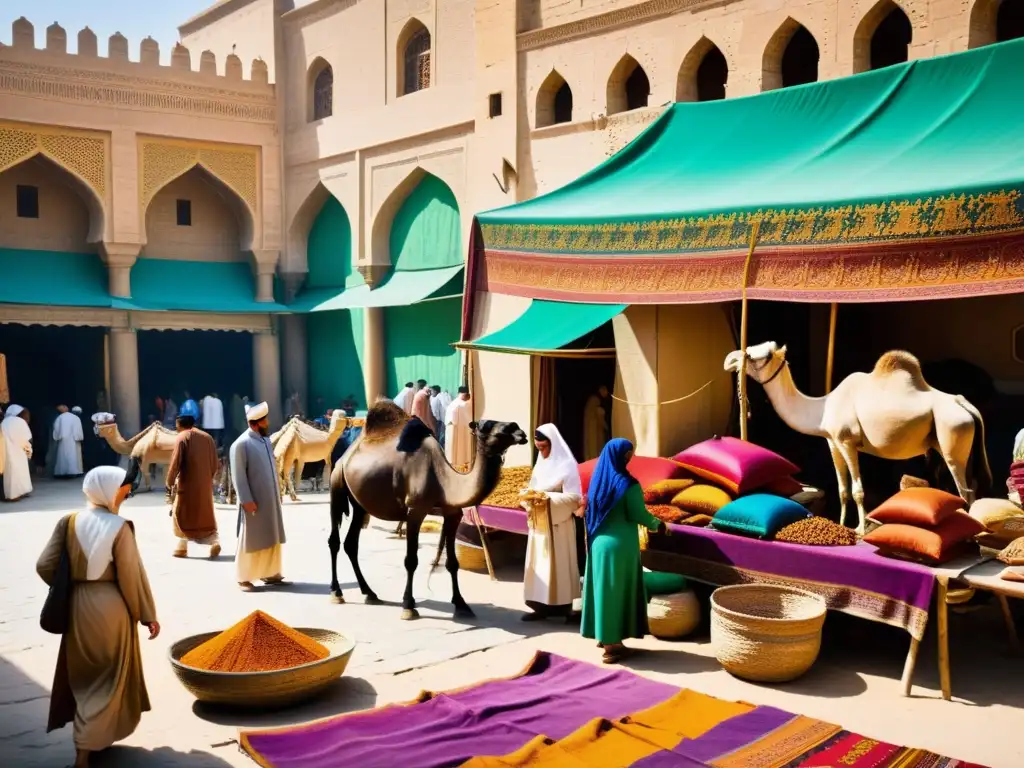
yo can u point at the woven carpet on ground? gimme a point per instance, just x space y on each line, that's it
565 713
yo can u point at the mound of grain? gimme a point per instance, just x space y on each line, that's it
817 531
510 482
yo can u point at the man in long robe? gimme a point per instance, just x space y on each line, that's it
193 467
404 398
595 424
67 438
458 440
437 411
17 450
421 407
213 418
260 522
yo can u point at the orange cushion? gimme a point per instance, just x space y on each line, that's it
663 491
648 470
918 506
783 486
701 499
698 521
933 543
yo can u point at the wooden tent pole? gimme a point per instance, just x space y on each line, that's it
755 229
834 314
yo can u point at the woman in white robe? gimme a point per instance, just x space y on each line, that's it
17 437
67 436
552 578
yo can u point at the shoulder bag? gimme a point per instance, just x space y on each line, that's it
56 614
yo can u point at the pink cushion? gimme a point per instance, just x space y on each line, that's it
736 465
647 470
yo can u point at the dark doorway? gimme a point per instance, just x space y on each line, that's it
891 40
563 104
638 88
712 75
1010 20
197 362
800 59
49 366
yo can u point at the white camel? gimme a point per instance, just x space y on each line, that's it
891 413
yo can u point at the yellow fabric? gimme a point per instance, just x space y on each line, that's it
701 499
663 491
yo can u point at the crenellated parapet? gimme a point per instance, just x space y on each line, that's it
193 82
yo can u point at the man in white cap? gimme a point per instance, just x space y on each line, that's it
67 441
260 522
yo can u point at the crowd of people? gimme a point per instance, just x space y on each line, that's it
447 418
64 454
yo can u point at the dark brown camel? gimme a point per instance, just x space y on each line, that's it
397 472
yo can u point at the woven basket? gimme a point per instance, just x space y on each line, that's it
764 633
673 616
470 558
261 690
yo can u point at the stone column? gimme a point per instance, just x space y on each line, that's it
119 258
294 350
264 266
266 363
374 368
124 380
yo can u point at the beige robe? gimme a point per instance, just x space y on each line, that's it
98 682
552 575
595 428
458 438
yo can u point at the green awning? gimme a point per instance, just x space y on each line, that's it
403 287
849 180
549 328
53 278
194 286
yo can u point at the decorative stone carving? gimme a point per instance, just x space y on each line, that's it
56 39
83 154
208 63
181 58
259 73
76 316
23 34
237 167
88 45
117 47
149 52
233 67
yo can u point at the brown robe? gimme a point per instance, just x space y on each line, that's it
98 682
421 409
194 464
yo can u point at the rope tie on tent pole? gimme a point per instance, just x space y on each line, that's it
741 375
666 402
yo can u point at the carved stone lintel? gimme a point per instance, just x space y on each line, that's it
373 273
265 260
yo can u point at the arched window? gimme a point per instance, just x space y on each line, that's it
554 101
323 93
882 38
638 89
628 86
415 60
995 21
791 57
703 73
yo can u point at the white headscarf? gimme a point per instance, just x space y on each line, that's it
559 467
97 527
12 411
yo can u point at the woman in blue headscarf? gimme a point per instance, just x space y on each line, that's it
614 603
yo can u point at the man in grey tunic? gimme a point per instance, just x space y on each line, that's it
260 521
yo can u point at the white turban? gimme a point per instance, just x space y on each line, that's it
77 409
256 412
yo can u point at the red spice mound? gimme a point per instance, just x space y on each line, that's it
667 513
258 643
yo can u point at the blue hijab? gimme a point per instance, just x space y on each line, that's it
608 484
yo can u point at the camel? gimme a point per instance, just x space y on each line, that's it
396 471
891 413
153 445
299 443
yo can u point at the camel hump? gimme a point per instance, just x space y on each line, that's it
413 435
898 360
384 420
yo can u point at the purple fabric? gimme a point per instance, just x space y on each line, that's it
859 566
512 520
555 697
734 733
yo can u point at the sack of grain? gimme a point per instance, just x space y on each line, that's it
817 531
510 482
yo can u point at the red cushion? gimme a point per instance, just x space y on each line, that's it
932 544
918 506
783 486
648 470
736 465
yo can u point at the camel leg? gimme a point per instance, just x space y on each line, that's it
412 543
856 485
359 515
334 543
451 564
842 476
297 474
954 446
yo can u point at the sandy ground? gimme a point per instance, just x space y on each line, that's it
855 682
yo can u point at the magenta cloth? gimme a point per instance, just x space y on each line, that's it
741 464
512 520
855 580
554 697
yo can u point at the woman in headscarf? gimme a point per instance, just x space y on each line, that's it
614 602
15 453
98 683
552 578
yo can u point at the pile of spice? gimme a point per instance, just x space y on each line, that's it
667 513
258 643
510 482
817 531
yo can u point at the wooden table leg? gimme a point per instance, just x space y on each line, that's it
1011 628
943 632
483 544
908 667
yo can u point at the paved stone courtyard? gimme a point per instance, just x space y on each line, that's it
855 682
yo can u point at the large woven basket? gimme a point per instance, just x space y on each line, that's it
263 689
470 558
673 616
765 633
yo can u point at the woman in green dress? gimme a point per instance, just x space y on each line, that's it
614 602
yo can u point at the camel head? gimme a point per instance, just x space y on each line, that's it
495 437
339 421
760 359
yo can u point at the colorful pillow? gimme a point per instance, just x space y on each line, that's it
994 514
663 491
647 470
783 486
737 465
931 544
760 514
701 499
918 506
698 521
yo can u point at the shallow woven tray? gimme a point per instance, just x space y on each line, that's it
263 689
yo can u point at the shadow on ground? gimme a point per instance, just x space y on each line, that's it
161 757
